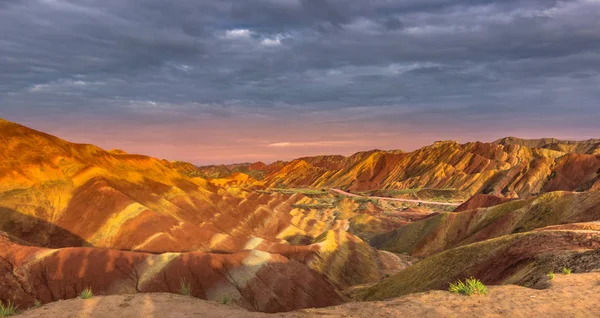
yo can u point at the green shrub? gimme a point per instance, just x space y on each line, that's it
469 287
86 294
458 287
7 310
566 270
185 288
550 275
225 300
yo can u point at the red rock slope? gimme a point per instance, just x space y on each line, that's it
255 280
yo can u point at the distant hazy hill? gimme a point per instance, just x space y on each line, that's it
590 146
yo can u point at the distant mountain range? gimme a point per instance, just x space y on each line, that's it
509 167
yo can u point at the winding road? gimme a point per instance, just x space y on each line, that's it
394 199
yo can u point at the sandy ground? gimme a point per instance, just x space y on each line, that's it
575 295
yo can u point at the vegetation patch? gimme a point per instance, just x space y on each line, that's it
225 300
550 275
7 310
364 201
471 286
566 270
86 294
185 288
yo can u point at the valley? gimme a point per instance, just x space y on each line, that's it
309 233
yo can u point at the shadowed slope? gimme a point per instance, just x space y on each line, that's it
91 192
36 231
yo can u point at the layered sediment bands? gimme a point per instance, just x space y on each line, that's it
509 167
523 258
78 196
345 259
50 189
77 216
574 172
448 230
255 280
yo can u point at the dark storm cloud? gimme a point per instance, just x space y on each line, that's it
242 58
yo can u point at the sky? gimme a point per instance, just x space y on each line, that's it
246 80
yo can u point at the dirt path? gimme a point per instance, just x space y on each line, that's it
576 295
394 199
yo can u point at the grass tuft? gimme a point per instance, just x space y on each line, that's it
7 310
225 300
86 294
566 270
469 287
550 275
185 288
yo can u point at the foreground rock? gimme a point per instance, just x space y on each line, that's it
574 295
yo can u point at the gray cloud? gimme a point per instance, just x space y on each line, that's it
408 59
